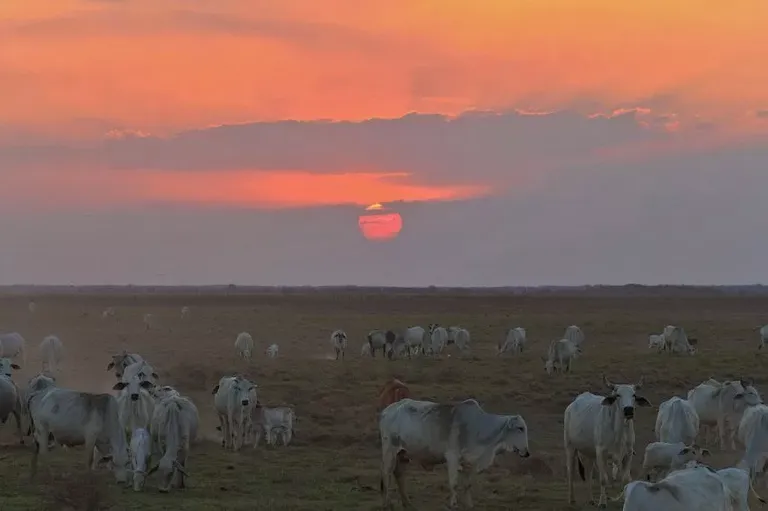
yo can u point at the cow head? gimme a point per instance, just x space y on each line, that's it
747 395
6 367
694 452
624 395
134 386
243 392
515 436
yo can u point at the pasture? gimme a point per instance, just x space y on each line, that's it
333 461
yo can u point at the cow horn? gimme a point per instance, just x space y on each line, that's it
180 468
639 384
607 383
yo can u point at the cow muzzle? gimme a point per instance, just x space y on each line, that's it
134 397
629 412
244 402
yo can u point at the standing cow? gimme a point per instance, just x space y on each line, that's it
677 421
721 406
339 342
514 341
233 398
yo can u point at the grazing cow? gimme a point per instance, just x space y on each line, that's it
656 341
514 341
462 435
397 348
560 355
677 421
721 405
574 334
414 339
393 391
185 312
174 425
233 398
763 337
753 434
13 345
32 307
148 321
365 350
10 396
601 428
271 422
244 345
339 342
272 351
51 352
121 361
438 337
378 340
90 419
676 341
689 489
662 457
140 453
109 312
135 403
460 337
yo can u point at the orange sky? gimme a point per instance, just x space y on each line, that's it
82 67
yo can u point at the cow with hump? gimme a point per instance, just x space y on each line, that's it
600 429
463 436
233 399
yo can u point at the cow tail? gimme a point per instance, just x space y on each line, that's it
581 468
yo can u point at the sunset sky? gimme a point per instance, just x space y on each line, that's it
523 142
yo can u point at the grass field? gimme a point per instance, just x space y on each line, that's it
333 463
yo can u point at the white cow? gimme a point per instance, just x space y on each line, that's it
185 312
573 333
676 341
763 337
272 350
121 361
753 434
738 482
560 355
460 338
90 419
721 405
677 421
414 339
438 339
244 345
271 422
656 341
51 352
142 369
141 449
689 489
378 340
339 342
365 350
13 345
174 426
662 457
148 321
109 312
396 348
10 396
233 398
462 435
135 403
601 429
515 341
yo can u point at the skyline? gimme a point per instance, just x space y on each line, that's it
183 142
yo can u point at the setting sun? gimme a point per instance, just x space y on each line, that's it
380 224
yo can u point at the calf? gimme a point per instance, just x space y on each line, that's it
339 342
560 355
272 421
663 457
514 341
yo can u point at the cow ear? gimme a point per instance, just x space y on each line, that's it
15 366
110 365
640 400
705 452
608 400
740 395
685 450
215 389
119 385
155 376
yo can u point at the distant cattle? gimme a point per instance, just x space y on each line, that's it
233 398
272 350
601 429
51 353
272 421
109 312
677 421
574 334
763 336
656 341
438 339
32 306
148 320
677 341
185 312
378 340
244 345
461 337
514 341
721 405
415 336
365 350
462 435
339 343
560 355
13 345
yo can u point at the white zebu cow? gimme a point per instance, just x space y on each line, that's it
721 405
677 421
233 398
13 345
414 339
90 419
339 342
460 336
656 341
148 319
174 426
135 403
141 449
560 355
272 350
660 458
109 312
763 337
378 340
601 429
10 396
462 435
51 353
272 421
689 489
121 361
185 312
753 434
738 482
438 339
515 341
244 345
676 341
574 334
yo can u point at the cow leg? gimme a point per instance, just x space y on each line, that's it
467 491
257 436
733 436
17 416
40 436
400 480
388 464
721 430
570 466
589 474
91 459
454 467
602 472
287 436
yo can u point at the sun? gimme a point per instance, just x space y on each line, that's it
378 223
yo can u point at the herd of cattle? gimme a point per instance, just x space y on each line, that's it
144 420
